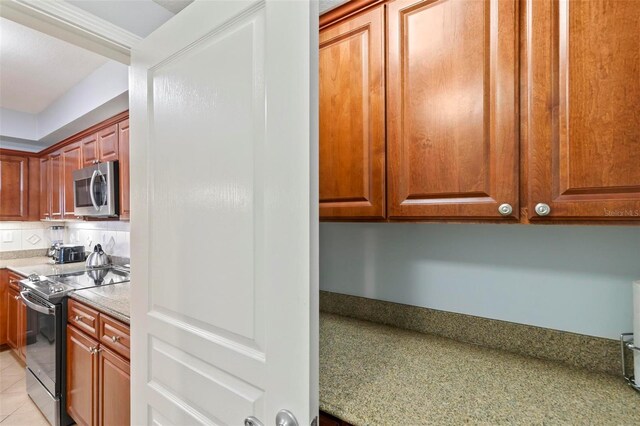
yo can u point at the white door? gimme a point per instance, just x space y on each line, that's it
224 218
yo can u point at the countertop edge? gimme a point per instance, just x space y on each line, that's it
100 307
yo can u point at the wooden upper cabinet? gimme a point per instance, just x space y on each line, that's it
452 109
71 160
45 188
583 121
123 153
55 160
14 187
352 118
108 144
89 150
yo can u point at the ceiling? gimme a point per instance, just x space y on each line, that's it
36 69
140 17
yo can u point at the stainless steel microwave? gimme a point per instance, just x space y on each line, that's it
95 190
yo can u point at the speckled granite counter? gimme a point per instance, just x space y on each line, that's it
39 265
372 374
110 299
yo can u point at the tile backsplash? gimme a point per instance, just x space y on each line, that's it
24 236
112 235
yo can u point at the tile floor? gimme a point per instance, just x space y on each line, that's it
16 408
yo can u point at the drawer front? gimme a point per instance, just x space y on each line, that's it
115 335
14 280
83 317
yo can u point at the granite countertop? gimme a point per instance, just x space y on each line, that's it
110 299
372 374
39 265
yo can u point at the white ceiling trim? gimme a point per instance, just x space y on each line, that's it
70 23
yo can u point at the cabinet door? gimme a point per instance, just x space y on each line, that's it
22 329
123 154
114 394
14 187
451 118
583 121
352 123
71 160
12 318
4 289
89 150
82 377
56 185
45 188
108 144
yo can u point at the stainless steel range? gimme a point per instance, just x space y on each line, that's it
46 333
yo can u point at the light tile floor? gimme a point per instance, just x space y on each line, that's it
16 408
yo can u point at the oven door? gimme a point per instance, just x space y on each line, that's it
95 190
44 331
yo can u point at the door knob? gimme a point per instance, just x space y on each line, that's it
542 209
505 209
286 418
252 421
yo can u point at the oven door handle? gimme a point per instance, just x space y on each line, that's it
38 308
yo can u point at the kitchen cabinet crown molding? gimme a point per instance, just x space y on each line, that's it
346 10
93 129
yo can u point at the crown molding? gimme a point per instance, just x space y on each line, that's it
70 23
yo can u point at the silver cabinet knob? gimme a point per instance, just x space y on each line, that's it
252 421
505 209
115 339
543 209
286 418
77 318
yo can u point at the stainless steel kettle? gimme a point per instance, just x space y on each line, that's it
98 258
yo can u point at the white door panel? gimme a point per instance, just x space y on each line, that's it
224 227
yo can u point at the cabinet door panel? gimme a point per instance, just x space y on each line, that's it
89 150
352 125
45 188
71 160
82 377
14 187
114 394
108 144
584 108
22 330
12 318
123 155
452 145
56 185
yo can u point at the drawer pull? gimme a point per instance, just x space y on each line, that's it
77 318
115 339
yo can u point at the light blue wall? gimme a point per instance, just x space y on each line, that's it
572 278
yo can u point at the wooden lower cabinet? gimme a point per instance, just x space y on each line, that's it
15 317
329 420
113 389
82 377
12 304
98 379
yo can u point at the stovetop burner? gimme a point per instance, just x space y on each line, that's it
57 286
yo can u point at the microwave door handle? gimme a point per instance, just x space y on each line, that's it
93 198
35 306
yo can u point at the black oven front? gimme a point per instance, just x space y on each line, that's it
45 340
